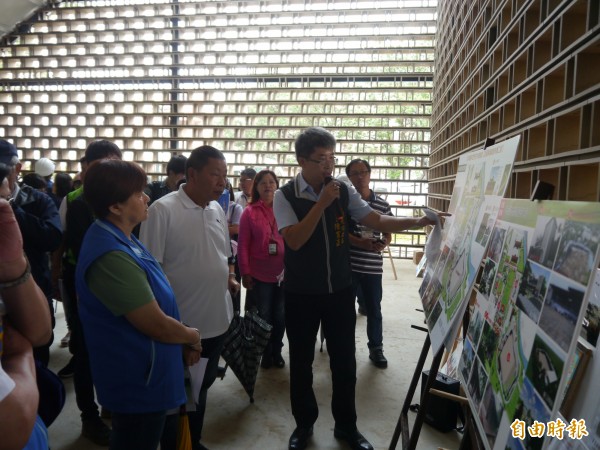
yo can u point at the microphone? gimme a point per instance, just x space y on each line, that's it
328 180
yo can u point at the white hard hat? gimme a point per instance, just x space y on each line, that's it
44 167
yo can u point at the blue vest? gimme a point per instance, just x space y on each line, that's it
132 373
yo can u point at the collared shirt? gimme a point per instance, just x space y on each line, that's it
365 261
286 216
241 199
192 245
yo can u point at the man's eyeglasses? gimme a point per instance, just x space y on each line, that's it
358 173
332 161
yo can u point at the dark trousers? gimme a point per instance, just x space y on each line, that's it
303 315
368 288
82 374
268 298
136 431
211 349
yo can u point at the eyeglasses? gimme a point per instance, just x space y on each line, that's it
360 173
332 160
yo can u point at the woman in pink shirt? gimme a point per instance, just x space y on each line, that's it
260 257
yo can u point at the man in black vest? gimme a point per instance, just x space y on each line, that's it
313 213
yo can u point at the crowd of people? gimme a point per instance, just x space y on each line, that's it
149 277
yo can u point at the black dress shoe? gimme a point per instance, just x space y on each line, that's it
356 440
378 359
299 438
278 361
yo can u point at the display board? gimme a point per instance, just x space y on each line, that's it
532 297
480 184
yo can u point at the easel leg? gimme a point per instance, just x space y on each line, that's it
389 251
433 371
402 424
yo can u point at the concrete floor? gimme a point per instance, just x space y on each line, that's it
233 423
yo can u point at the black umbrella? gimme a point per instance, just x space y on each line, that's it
244 344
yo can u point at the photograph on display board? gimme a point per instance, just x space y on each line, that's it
477 381
490 413
533 289
591 321
531 408
561 309
475 326
576 371
545 240
545 369
576 251
466 360
495 247
447 284
527 314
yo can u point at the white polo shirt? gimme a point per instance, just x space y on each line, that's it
192 245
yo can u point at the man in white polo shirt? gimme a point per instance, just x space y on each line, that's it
187 233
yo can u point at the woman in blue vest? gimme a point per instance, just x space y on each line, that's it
128 311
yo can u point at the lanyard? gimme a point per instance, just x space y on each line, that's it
270 222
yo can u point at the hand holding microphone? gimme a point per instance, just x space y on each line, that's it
330 192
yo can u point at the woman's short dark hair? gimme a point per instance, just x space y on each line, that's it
111 181
63 184
311 139
259 176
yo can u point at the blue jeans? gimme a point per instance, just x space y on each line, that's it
139 431
268 298
372 292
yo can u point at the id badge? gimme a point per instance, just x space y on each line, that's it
272 248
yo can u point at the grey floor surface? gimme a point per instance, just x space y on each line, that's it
233 423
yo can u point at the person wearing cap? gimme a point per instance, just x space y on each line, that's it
44 167
246 181
39 223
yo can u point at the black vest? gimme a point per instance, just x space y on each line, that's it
322 264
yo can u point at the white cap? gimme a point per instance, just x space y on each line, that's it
44 167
